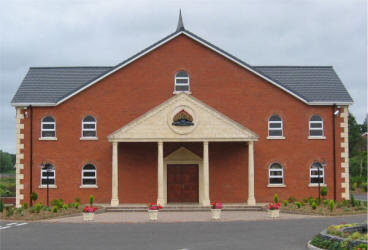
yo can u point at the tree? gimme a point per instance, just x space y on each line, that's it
7 161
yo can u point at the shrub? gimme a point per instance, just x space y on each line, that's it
361 246
338 204
19 211
57 203
276 198
365 203
77 200
323 192
38 207
55 209
1 205
65 207
354 186
34 196
45 208
355 236
291 199
314 205
345 203
352 200
76 205
331 205
9 211
298 204
25 205
364 186
91 199
285 203
358 203
325 203
311 200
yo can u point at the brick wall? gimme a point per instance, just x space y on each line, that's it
149 81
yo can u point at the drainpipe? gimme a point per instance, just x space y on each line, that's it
30 152
334 113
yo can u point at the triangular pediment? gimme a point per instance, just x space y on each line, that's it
182 154
208 124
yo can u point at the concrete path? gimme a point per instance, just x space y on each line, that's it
172 217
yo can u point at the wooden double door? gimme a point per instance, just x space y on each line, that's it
182 183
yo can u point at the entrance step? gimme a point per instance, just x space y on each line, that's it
185 208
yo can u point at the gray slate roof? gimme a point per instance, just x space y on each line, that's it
312 83
51 84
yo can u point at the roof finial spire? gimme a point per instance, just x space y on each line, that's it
180 22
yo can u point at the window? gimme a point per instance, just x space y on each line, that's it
276 174
89 126
89 175
314 173
48 127
315 126
275 126
181 81
48 170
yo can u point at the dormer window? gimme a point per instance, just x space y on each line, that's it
182 81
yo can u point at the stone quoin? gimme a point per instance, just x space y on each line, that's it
182 121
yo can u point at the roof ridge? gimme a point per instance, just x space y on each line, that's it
63 67
294 66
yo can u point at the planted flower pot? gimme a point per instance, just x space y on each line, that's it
88 216
153 215
216 214
274 213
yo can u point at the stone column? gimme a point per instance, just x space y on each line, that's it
206 176
160 174
115 179
251 199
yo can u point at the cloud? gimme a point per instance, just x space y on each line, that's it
74 33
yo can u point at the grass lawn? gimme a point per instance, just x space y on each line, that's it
7 186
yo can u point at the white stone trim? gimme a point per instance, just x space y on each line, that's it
47 139
316 137
45 186
275 138
88 186
316 185
19 148
276 185
345 154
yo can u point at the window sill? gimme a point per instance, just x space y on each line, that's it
88 186
89 138
45 186
276 138
316 137
178 92
276 185
316 185
47 139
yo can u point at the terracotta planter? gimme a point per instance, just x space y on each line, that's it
88 216
153 215
274 213
216 214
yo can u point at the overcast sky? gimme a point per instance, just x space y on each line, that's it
104 33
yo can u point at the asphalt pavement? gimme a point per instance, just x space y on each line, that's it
273 235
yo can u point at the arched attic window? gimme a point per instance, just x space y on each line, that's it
181 81
275 126
89 127
48 127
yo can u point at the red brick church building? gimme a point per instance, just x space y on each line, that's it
181 121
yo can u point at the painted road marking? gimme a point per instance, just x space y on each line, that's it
21 224
15 224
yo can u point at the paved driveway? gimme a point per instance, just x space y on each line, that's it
271 234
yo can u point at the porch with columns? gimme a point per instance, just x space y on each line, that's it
161 200
205 125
